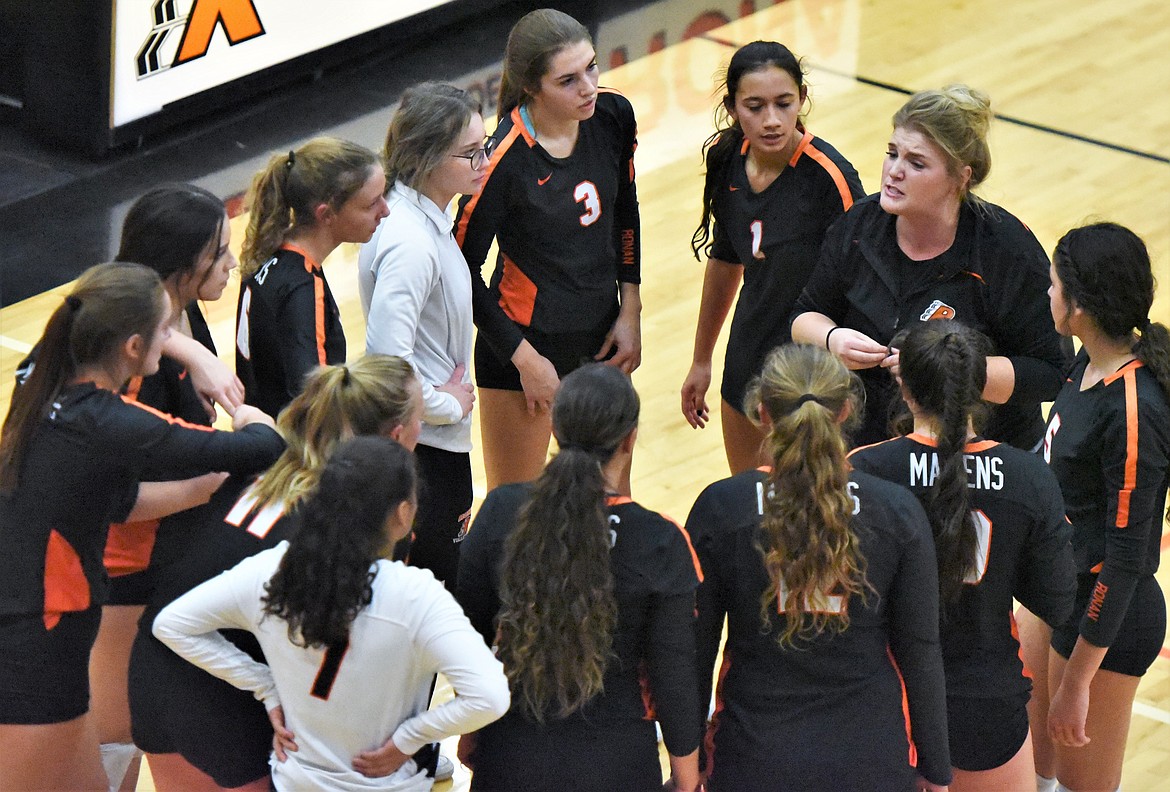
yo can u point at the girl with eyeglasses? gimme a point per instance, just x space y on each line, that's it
559 198
416 294
771 192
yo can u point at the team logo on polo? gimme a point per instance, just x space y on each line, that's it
937 310
176 38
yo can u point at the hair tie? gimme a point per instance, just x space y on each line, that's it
345 375
74 303
292 160
806 397
1144 325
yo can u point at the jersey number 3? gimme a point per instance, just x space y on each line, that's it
586 192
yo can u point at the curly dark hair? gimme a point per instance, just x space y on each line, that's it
943 365
558 611
326 576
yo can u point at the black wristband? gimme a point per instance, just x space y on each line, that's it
829 334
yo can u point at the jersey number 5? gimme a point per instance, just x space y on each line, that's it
586 192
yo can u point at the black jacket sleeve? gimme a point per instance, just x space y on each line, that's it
671 645
301 348
1022 325
829 283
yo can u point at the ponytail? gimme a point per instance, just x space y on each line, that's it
364 397
532 44
718 153
558 611
109 304
806 538
1105 269
943 366
286 193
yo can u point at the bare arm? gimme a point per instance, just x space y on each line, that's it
720 282
158 499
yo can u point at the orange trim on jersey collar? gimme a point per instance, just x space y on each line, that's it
497 156
1132 365
617 500
970 448
310 262
800 147
518 124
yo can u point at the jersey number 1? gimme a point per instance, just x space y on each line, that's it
757 228
586 192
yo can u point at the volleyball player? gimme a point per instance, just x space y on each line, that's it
199 732
70 455
560 200
303 206
927 248
350 639
999 533
771 192
416 295
1108 442
828 582
589 599
181 232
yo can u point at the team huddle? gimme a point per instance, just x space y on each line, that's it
269 607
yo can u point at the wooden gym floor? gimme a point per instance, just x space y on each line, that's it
1083 133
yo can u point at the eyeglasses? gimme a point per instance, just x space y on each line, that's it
479 158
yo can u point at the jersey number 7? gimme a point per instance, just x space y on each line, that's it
327 673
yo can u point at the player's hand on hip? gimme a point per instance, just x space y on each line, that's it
381 761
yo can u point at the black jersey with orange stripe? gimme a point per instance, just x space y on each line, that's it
837 711
170 388
1109 446
655 572
80 473
196 545
994 278
776 236
287 323
1024 553
568 228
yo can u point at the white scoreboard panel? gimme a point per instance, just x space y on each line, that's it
166 50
